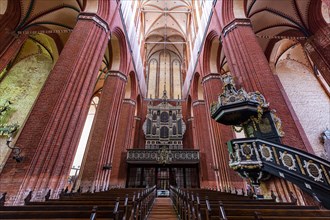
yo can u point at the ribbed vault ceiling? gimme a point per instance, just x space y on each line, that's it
165 23
50 14
282 17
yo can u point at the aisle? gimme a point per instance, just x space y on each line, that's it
162 209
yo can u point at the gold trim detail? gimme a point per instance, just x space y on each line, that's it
276 157
325 173
300 165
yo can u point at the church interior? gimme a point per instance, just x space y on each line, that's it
165 109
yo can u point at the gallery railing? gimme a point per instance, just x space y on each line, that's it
162 156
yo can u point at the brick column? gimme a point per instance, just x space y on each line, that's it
318 48
51 133
248 63
136 132
101 144
188 141
142 138
220 134
118 172
202 136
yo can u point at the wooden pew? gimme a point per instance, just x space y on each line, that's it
128 204
207 204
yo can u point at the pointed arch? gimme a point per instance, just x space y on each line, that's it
210 55
118 50
197 89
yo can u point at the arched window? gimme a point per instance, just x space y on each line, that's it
164 117
154 130
148 126
174 130
180 126
174 116
164 132
152 78
154 116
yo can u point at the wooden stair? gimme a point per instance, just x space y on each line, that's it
162 209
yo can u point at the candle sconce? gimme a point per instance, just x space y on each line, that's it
16 150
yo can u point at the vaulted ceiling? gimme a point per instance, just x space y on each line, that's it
165 25
59 15
275 18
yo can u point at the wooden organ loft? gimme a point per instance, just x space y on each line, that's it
164 161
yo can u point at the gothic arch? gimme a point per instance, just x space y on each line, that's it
117 51
190 112
231 9
153 78
211 53
130 89
197 89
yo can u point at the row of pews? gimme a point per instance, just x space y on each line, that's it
116 204
204 204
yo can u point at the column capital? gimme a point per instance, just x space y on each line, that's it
119 74
211 76
238 22
198 102
95 18
129 101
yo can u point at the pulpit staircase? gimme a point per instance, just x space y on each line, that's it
262 154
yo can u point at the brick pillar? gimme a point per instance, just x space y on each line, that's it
142 138
248 63
118 172
318 48
100 146
220 134
188 141
136 131
51 133
207 175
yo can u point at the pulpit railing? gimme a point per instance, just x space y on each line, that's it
255 159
